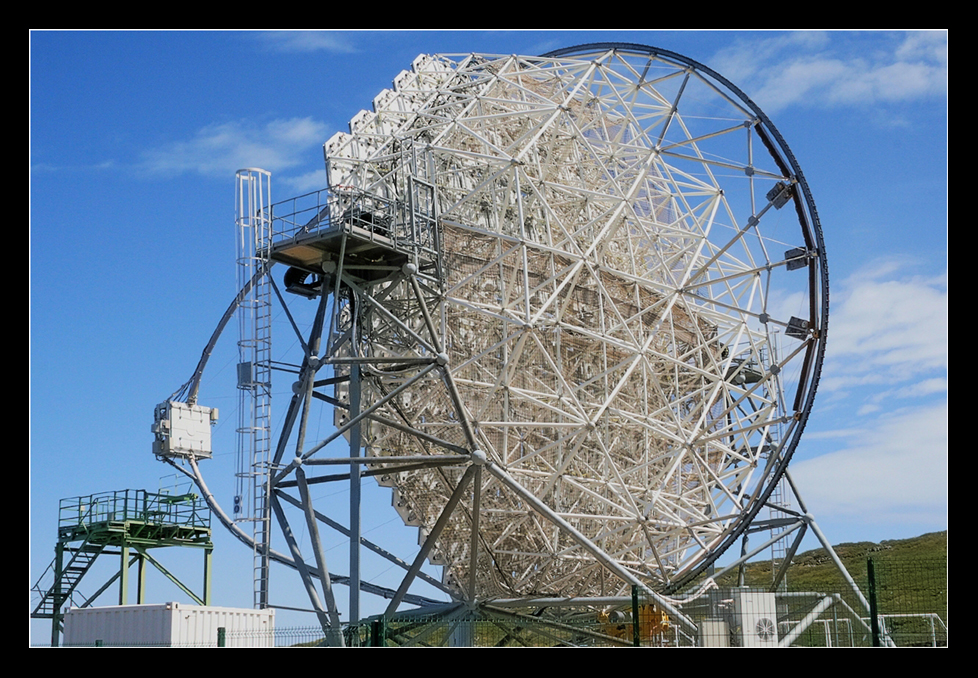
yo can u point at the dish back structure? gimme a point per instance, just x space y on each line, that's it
600 253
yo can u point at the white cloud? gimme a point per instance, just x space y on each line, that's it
916 390
894 471
308 41
221 149
924 44
832 434
923 388
797 81
305 183
886 329
886 381
837 69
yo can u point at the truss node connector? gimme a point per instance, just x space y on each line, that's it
409 269
182 430
441 359
479 458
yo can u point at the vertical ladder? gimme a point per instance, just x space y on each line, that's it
253 226
778 548
778 496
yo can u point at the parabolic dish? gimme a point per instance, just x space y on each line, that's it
626 271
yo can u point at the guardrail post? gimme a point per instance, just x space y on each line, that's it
636 639
874 619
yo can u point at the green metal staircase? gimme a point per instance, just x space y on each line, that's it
127 524
62 588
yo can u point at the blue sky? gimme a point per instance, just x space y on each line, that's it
135 138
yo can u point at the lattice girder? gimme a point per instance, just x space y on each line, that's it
613 283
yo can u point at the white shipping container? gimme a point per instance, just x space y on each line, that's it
168 625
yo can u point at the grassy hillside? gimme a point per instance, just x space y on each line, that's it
813 570
911 574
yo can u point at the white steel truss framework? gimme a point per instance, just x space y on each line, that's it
574 308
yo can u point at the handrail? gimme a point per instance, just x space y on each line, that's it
408 227
133 505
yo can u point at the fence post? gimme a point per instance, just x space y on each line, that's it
377 633
222 639
874 620
636 639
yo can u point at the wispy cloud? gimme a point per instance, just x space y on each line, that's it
886 373
308 41
221 149
304 183
893 471
889 329
44 167
823 70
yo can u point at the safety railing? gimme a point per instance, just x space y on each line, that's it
406 225
186 510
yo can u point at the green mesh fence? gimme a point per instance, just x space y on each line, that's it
754 617
815 610
911 601
491 629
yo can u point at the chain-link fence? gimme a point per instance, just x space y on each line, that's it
909 600
748 617
488 628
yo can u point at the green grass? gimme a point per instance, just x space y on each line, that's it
814 570
911 575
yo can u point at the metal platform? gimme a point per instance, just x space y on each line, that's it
126 524
372 235
135 516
